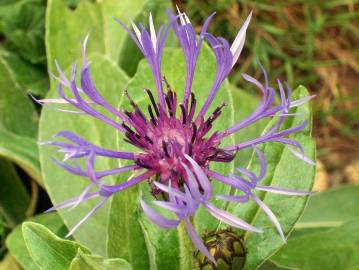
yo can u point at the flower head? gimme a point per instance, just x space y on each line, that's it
175 140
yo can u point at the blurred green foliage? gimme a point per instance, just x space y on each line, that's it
22 34
23 27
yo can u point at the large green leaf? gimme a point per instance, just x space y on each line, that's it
17 114
48 250
336 248
166 248
270 265
18 124
84 261
23 151
110 80
14 199
283 170
31 78
16 244
331 208
65 28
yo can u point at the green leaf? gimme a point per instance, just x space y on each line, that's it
18 124
22 23
167 249
336 248
31 78
14 199
284 170
23 151
65 28
16 244
84 261
6 7
48 250
270 265
331 208
110 81
17 114
24 28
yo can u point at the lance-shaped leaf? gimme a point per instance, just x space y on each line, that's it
336 248
84 261
16 244
31 78
14 199
331 208
48 250
18 124
22 151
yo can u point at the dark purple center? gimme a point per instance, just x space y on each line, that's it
164 138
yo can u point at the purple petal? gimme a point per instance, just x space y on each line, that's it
254 81
197 241
226 180
224 58
72 201
287 114
51 100
191 204
238 42
192 183
101 174
82 196
85 145
270 214
172 191
229 218
247 173
302 157
93 210
201 176
66 111
284 191
232 198
262 161
157 218
74 170
108 190
301 101
171 207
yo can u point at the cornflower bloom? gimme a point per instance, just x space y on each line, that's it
176 142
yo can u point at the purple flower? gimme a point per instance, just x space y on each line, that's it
176 142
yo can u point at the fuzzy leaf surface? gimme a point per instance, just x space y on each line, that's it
16 244
48 250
